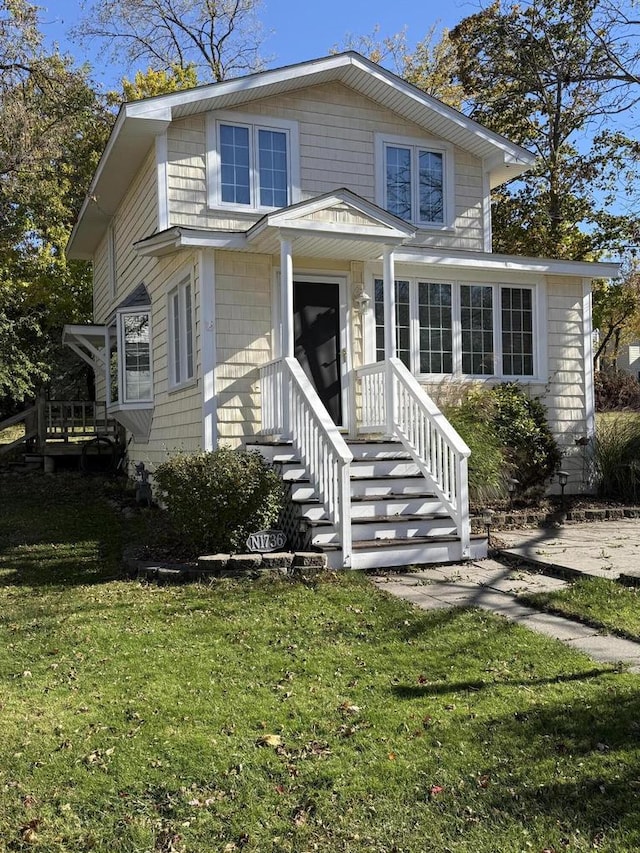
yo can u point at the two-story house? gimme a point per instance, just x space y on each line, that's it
297 256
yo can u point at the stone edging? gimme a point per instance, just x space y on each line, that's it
515 520
213 566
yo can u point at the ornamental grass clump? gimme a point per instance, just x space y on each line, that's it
616 457
215 500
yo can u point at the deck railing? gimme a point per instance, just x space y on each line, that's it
59 420
292 408
394 403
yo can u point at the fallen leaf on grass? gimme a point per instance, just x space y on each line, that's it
269 740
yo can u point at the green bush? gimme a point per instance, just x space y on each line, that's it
522 427
473 418
217 499
617 457
508 435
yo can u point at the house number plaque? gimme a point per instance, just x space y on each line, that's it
264 541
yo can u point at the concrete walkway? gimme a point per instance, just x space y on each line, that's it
607 549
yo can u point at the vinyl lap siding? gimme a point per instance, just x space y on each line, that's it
243 341
337 131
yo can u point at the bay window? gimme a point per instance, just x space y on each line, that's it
134 349
450 328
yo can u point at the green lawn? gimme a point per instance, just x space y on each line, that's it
603 602
278 716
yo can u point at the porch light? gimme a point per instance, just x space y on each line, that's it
361 300
563 479
512 487
487 520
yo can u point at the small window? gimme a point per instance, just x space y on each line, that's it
135 363
181 326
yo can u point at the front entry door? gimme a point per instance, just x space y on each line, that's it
316 329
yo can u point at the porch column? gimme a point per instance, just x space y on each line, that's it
389 292
107 367
286 324
286 297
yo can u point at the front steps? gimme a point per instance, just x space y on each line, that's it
396 519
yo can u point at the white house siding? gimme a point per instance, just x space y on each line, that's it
337 129
566 394
243 341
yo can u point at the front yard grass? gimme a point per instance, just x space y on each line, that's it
284 716
599 601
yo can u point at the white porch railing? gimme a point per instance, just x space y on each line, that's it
292 408
394 403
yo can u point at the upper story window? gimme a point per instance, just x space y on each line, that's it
252 162
415 180
181 326
461 329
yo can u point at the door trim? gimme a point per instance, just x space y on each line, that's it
344 318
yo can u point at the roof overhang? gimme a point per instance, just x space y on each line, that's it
506 263
140 122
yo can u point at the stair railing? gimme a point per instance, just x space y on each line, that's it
30 420
393 402
292 409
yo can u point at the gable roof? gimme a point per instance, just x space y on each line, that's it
140 122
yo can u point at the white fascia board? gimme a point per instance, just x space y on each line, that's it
505 263
179 238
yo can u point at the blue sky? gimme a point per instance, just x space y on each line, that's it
296 30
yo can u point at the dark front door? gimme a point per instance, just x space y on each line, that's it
316 329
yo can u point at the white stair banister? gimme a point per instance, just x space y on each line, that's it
408 413
290 403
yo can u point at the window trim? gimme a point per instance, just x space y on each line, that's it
436 146
178 288
538 294
123 401
253 123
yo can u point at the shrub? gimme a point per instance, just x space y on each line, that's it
217 499
617 457
616 392
508 435
472 417
522 428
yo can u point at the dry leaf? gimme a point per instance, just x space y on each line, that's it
269 740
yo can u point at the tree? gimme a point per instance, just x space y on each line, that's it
431 66
52 129
218 38
616 312
535 74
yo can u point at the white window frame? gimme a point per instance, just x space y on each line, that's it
253 123
416 144
179 289
121 314
539 327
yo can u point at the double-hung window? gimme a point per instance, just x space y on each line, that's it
134 356
251 162
461 329
181 333
415 181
